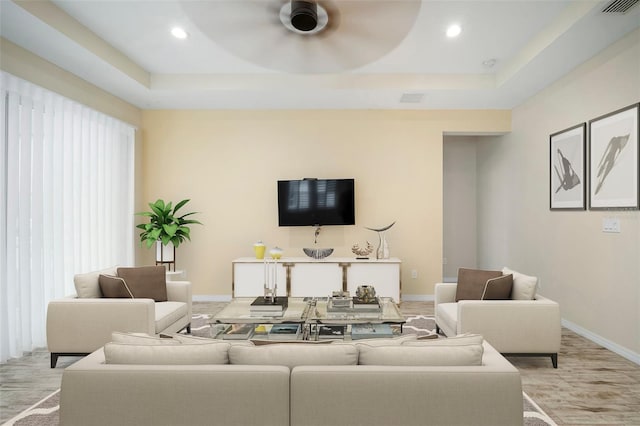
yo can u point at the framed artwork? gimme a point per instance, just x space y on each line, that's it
567 163
613 160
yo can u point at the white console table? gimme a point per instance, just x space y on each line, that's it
301 277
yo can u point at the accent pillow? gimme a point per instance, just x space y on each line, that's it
141 339
471 283
146 282
292 355
524 286
498 288
114 287
123 353
87 285
423 355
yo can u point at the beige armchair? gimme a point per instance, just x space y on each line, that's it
513 327
78 326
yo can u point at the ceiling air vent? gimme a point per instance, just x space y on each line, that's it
411 98
619 6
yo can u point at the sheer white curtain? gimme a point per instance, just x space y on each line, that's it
66 194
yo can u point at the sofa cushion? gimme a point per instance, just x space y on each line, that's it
524 286
423 355
471 283
292 355
498 288
167 313
141 339
146 282
88 286
114 287
172 354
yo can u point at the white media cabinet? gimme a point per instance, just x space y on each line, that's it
301 277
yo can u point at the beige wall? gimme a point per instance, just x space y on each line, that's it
594 276
228 162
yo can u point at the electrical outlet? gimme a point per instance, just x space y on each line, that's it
414 273
611 225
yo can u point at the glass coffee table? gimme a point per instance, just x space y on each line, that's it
310 312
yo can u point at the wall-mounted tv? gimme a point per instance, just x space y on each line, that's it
316 202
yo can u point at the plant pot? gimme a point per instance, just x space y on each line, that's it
165 254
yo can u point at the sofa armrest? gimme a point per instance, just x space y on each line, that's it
445 293
84 325
180 291
513 326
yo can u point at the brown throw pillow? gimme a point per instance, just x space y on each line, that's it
146 282
113 287
498 288
471 283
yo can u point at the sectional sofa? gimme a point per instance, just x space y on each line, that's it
400 382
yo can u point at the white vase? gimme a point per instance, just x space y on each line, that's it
165 254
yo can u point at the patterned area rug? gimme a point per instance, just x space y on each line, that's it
45 412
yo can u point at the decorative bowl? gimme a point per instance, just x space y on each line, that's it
319 253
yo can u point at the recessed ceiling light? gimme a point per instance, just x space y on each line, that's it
453 30
180 33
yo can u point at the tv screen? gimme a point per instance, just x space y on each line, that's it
316 202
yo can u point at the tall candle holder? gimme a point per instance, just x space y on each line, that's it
270 280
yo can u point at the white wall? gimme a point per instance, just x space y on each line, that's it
459 205
594 276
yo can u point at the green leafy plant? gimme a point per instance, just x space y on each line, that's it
165 225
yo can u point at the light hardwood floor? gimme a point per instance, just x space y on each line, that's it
591 386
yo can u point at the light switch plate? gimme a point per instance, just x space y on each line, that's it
611 225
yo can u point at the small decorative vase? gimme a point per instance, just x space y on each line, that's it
276 253
258 249
383 247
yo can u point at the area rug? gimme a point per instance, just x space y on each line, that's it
45 412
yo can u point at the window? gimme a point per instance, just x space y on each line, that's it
66 204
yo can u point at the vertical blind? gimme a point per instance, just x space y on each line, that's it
66 194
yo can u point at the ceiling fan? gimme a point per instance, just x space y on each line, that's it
305 36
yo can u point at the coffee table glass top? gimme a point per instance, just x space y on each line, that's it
237 311
306 310
388 314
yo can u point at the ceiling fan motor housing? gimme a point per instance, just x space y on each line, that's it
304 15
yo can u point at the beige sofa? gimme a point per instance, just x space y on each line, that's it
513 327
80 325
259 392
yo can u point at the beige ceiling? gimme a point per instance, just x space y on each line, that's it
239 55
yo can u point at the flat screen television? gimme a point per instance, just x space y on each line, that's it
316 202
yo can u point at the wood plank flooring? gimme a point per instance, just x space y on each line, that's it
591 386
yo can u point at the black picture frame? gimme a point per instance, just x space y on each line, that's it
614 159
567 169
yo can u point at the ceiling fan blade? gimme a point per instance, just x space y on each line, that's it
358 32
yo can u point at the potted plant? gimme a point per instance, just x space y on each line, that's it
165 229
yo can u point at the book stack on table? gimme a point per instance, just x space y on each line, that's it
284 332
331 332
268 307
366 305
238 332
370 331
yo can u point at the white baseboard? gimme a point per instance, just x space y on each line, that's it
613 347
417 298
211 298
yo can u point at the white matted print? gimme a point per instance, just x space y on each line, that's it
613 160
567 168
